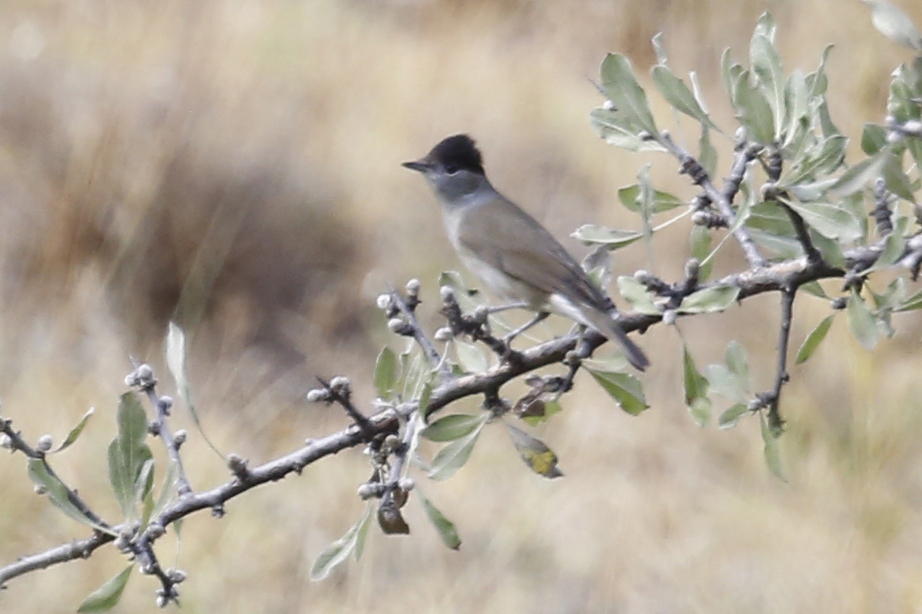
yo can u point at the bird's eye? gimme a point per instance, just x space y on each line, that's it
451 169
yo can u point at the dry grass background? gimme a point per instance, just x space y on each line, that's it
237 164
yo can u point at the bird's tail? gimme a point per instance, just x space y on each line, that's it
608 326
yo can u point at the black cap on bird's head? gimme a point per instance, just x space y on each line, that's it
458 152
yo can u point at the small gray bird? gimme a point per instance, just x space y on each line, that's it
509 250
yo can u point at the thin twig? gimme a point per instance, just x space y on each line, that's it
428 348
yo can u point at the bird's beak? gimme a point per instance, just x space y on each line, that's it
421 166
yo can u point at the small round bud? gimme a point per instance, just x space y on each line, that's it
740 134
406 484
413 287
669 317
180 437
162 601
340 384
6 442
692 267
480 314
166 402
894 137
309 441
131 380
839 303
318 395
571 358
176 575
447 293
890 121
399 327
645 277
384 302
700 218
44 443
608 105
145 372
237 464
367 491
443 334
39 489
390 443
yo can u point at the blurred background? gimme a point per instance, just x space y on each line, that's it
235 165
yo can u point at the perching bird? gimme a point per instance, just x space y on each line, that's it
509 250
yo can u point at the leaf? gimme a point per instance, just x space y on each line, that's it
696 391
621 87
737 361
361 536
895 177
128 452
539 458
636 294
443 526
108 595
615 129
624 388
873 138
75 432
731 416
386 373
452 457
770 450
661 56
894 24
858 175
861 321
709 300
753 109
57 492
766 63
470 358
830 220
339 551
813 340
707 155
454 426
599 235
176 362
632 197
167 489
912 303
677 94
727 384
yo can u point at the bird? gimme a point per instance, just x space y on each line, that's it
511 252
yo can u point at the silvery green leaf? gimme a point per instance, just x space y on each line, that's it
677 94
830 249
766 27
825 120
386 373
861 321
75 432
873 138
57 492
709 300
637 199
453 456
813 288
731 416
729 72
707 156
106 596
622 89
828 219
625 389
797 104
817 81
858 175
339 551
896 179
128 452
912 303
637 295
471 359
753 110
813 340
784 247
700 247
696 391
610 237
534 452
443 526
894 24
454 426
766 64
614 128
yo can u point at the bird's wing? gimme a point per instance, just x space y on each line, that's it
507 244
